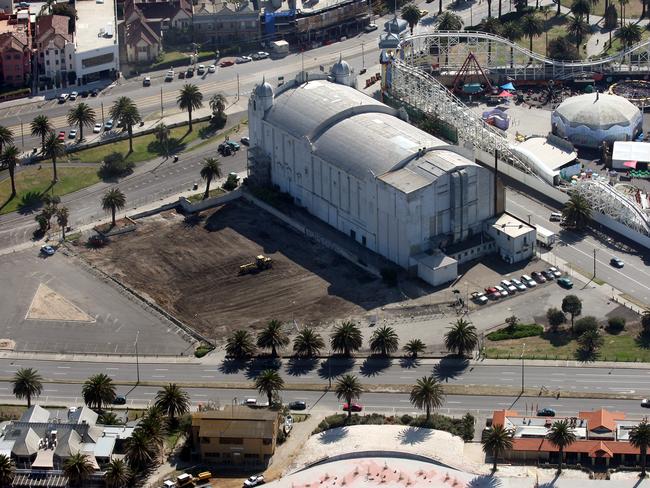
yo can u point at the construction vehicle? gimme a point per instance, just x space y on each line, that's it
261 262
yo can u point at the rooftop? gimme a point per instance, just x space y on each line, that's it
598 111
511 226
553 156
236 421
631 151
96 21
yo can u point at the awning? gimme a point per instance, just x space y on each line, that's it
44 459
630 164
508 86
505 93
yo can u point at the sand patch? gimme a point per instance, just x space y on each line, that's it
49 305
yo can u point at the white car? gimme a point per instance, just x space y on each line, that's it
72 134
212 68
250 402
170 75
244 59
508 286
254 481
528 281
260 55
201 69
518 284
502 291
73 95
97 128
63 97
556 272
479 297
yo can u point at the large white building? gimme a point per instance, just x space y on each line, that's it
356 164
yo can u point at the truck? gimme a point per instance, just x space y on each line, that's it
279 49
261 262
545 238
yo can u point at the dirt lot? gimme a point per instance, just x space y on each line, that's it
191 269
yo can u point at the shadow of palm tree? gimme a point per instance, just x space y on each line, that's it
333 435
409 363
374 365
301 366
259 364
449 368
643 340
558 338
335 366
232 366
586 355
550 484
485 481
29 202
413 435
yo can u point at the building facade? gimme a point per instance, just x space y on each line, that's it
515 239
56 50
224 23
15 50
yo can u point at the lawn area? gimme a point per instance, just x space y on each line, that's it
197 197
172 56
632 9
554 27
616 42
32 182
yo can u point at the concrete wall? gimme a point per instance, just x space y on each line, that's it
187 207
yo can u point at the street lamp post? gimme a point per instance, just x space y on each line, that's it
594 262
523 348
137 359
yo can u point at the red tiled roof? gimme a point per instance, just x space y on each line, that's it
138 29
499 416
50 26
602 418
591 447
9 40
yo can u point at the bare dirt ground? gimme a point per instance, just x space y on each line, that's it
190 267
49 305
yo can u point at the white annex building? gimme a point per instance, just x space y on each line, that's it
356 164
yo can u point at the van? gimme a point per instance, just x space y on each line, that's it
555 217
204 476
184 479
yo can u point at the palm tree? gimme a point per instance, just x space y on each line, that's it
154 426
62 216
531 26
561 436
109 418
346 338
27 384
581 8
7 470
240 345
384 341
113 200
162 132
411 14
578 28
9 158
640 438
125 110
461 337
117 474
623 3
41 127
6 137
78 468
97 391
47 7
189 98
272 337
173 401
496 441
211 169
218 103
512 31
81 115
53 148
269 382
414 347
308 343
629 34
427 394
139 450
577 211
590 341
449 21
491 26
348 388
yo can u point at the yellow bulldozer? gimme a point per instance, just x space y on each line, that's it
261 262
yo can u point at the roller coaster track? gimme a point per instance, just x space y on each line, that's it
448 49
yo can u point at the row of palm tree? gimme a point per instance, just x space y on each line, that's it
461 339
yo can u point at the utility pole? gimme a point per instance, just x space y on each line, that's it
102 103
523 349
237 86
363 57
594 262
22 134
162 110
137 359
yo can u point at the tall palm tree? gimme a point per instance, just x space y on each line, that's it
97 391
9 158
190 98
7 470
577 211
581 8
272 337
449 21
211 169
162 132
41 126
269 382
414 347
411 14
491 25
629 34
109 418
154 425
218 103
496 441
531 26
81 115
117 474
78 468
461 337
27 384
113 200
512 30
578 28
140 452
6 137
623 3
561 436
173 401
240 345
348 388
346 338
427 394
62 217
125 110
640 438
384 341
308 343
53 148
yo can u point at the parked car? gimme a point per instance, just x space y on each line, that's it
233 145
181 75
94 92
260 55
298 405
479 297
645 403
61 136
254 480
97 128
63 97
565 282
508 286
538 277
555 217
74 95
84 94
546 412
108 125
556 272
226 63
528 281
170 75
189 73
616 262
492 292
502 291
245 141
224 149
212 68
548 275
370 28
72 134
424 13
146 81
354 407
201 69
243 59
518 284
48 250
119 400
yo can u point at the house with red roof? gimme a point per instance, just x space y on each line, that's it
15 51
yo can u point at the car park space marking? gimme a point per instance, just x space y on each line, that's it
112 369
158 376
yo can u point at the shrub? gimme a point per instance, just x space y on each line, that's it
555 317
202 350
389 275
562 48
468 427
231 183
645 322
615 325
584 324
406 419
114 165
517 332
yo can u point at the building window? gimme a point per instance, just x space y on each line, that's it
56 52
8 77
17 56
212 455
231 440
251 456
267 442
363 240
205 440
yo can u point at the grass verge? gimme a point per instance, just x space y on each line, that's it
519 331
632 9
198 197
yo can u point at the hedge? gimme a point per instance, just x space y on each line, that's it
517 332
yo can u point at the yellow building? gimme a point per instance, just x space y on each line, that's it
236 435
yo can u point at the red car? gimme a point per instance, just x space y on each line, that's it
61 136
226 63
354 407
492 292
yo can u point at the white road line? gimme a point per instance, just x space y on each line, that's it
112 369
63 367
161 369
158 376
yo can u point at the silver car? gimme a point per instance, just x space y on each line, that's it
508 286
518 284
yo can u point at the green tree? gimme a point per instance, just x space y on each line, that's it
218 104
173 401
308 343
622 4
461 337
411 14
578 28
384 341
6 137
240 345
162 133
53 148
590 341
645 322
190 98
78 468
496 441
140 452
7 470
346 338
414 347
531 26
491 25
449 21
83 116
211 169
109 418
555 317
561 48
629 34
97 391
112 201
561 436
572 305
117 474
581 8
611 18
348 388
272 337
9 159
125 110
640 438
512 31
269 382
27 384
62 217
41 127
46 8
427 394
154 425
